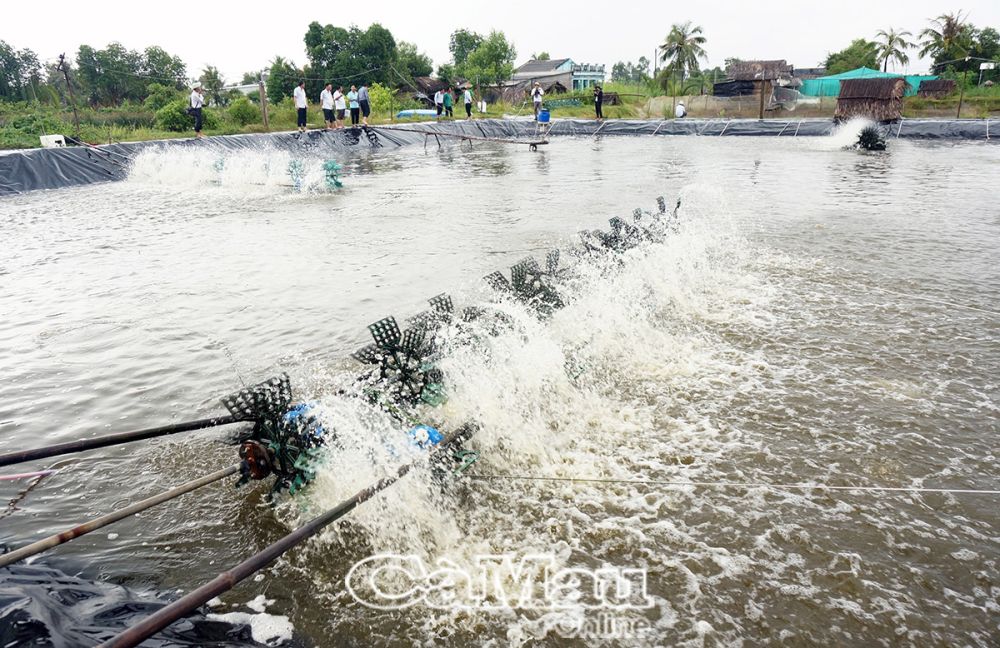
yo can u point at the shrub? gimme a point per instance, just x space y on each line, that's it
243 112
174 117
160 96
381 97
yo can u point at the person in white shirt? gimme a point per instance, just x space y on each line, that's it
197 101
439 102
340 105
536 98
301 104
326 102
680 111
468 103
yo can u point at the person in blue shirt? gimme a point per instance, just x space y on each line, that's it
352 97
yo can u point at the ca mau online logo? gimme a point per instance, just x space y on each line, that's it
494 582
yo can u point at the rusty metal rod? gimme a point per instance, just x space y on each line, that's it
103 521
136 634
21 456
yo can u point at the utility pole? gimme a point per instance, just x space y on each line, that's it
961 95
262 91
69 87
763 83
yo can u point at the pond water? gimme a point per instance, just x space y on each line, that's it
820 316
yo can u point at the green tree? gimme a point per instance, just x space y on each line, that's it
544 56
492 62
462 43
412 63
250 77
159 95
987 44
110 75
682 48
20 73
892 44
948 38
212 81
860 53
282 79
350 55
158 64
447 72
113 75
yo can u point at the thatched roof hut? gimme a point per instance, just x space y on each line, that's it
879 99
936 88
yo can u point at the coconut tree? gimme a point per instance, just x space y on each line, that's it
892 44
946 38
682 48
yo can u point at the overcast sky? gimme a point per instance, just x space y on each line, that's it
237 37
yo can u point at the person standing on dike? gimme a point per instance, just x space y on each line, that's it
326 102
352 97
468 103
339 105
197 101
364 103
599 101
301 104
536 98
448 103
439 102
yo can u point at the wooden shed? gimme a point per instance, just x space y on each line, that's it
936 88
880 99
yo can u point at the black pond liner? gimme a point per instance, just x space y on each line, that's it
57 168
40 606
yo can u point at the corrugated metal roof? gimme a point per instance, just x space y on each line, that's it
535 66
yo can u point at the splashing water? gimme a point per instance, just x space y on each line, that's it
256 171
578 395
846 135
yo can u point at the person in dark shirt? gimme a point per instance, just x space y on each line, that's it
599 101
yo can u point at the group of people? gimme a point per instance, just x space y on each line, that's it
444 102
335 105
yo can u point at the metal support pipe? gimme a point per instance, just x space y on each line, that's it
21 456
103 521
136 634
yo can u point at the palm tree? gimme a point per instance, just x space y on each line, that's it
892 44
683 47
946 38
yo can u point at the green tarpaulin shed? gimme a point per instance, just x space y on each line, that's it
829 86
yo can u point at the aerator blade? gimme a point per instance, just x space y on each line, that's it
368 354
498 282
413 340
268 399
552 262
385 332
661 204
442 303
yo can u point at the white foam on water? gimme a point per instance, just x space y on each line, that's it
845 135
257 171
622 383
269 629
